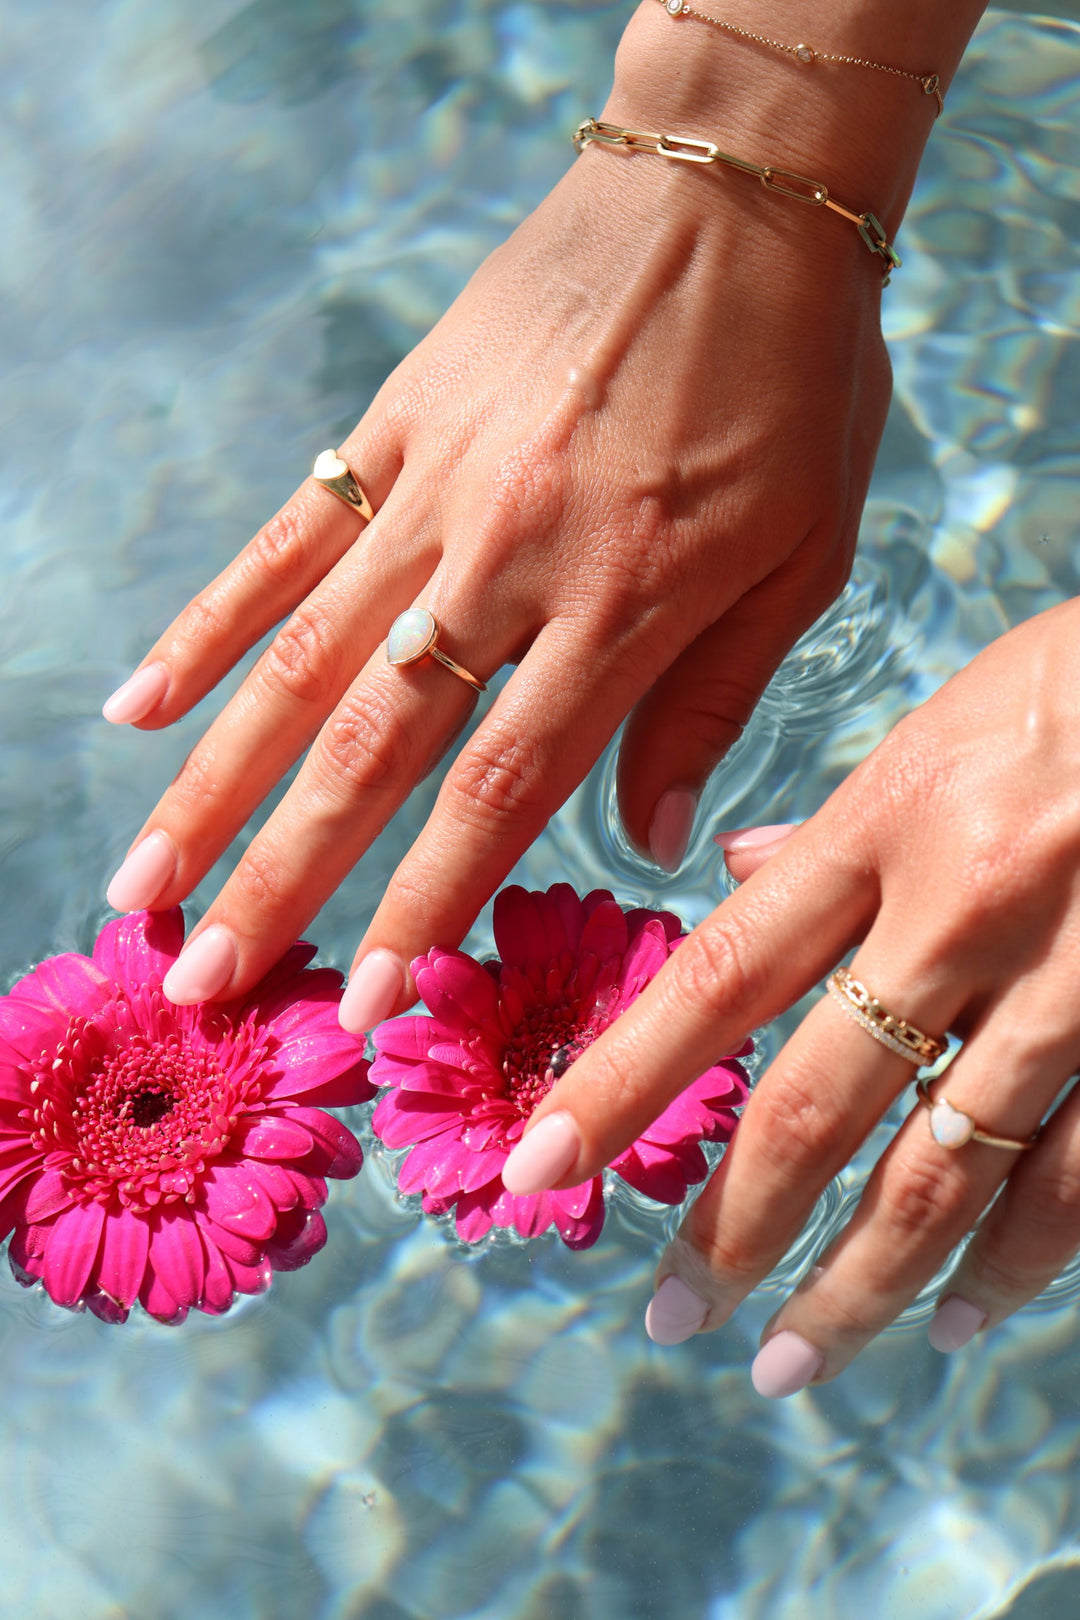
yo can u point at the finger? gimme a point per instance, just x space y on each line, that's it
921 1198
382 738
1026 1239
697 709
273 572
295 685
747 848
808 1115
766 946
533 749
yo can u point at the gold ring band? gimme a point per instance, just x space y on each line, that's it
897 1034
338 477
414 635
952 1128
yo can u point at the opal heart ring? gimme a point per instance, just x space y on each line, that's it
415 635
952 1128
338 477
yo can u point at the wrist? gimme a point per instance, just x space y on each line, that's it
858 131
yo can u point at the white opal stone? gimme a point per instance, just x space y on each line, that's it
328 464
675 6
411 635
950 1127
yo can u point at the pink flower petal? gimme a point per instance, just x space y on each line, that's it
404 1117
29 1027
521 934
299 1237
218 1290
406 1037
250 1279
142 947
234 1200
229 1243
336 1152
269 1136
158 1301
605 932
457 990
49 1194
472 1217
70 1252
176 1256
124 1248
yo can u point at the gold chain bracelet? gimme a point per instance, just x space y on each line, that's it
684 149
929 82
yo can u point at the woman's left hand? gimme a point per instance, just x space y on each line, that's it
950 858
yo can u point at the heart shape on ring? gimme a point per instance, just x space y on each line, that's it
950 1127
329 465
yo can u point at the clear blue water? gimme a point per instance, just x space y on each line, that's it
222 225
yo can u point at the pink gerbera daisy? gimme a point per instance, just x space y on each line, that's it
171 1155
464 1081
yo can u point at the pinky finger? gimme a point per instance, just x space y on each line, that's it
1026 1239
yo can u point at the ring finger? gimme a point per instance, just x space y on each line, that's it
924 1195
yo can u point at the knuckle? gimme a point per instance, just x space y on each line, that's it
1052 1199
203 622
922 1195
364 744
256 885
296 664
500 783
280 544
721 971
799 1124
730 1258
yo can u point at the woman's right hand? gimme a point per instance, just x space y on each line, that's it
951 860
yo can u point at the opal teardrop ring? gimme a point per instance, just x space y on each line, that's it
338 477
415 635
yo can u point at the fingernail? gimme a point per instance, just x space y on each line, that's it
374 986
674 1313
141 693
753 837
670 828
785 1365
543 1156
203 968
143 875
955 1323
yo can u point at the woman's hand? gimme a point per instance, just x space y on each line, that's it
950 858
631 459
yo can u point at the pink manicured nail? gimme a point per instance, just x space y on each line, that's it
670 828
143 875
544 1156
374 986
754 837
955 1323
140 694
203 968
674 1313
784 1365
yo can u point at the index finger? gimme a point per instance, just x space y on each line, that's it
762 949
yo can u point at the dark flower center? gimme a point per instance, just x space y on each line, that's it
545 1043
147 1107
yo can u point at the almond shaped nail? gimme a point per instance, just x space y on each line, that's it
139 696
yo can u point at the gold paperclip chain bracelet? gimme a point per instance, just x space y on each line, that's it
930 83
685 149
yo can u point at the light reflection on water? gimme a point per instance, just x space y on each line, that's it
223 227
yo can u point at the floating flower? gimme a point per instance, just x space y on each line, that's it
174 1155
464 1081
